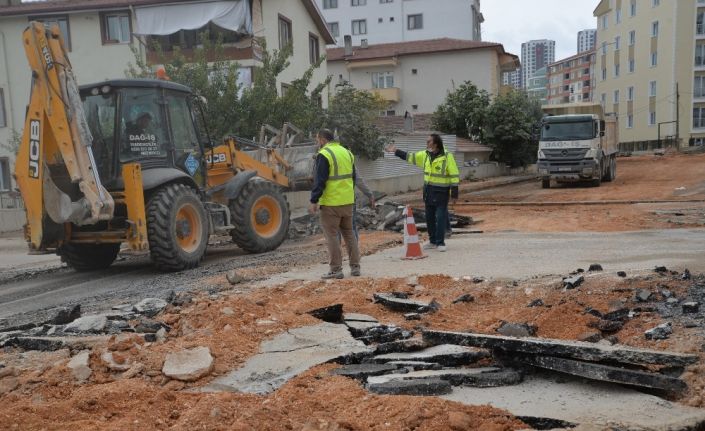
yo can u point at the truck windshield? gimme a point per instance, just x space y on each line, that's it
100 113
572 131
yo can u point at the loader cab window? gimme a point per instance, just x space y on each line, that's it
100 110
141 124
187 150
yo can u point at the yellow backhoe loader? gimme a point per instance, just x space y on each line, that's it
126 161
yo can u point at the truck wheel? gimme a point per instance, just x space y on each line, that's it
177 228
88 257
613 169
607 173
260 215
545 183
597 181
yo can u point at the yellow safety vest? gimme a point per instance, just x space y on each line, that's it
340 187
441 172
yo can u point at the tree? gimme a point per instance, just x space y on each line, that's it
464 112
352 113
12 145
511 119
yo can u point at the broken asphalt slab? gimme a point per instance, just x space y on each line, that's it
485 377
602 405
363 371
446 355
405 305
561 348
286 356
420 387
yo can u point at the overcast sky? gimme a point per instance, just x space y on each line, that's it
512 22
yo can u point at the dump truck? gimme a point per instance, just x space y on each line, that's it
577 143
129 163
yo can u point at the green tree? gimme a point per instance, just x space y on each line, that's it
352 113
464 112
12 145
511 119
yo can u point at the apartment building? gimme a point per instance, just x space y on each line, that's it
571 80
536 54
390 21
415 77
512 79
650 69
100 34
536 88
586 40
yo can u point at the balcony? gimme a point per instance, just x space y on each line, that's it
392 94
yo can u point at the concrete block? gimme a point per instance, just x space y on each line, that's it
188 365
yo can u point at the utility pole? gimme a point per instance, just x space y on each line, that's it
678 123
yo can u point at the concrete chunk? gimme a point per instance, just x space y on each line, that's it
446 355
478 377
405 305
420 387
561 348
66 315
188 365
150 307
88 324
80 367
661 332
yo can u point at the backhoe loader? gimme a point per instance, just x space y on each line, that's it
128 162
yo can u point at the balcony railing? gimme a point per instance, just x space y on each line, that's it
700 29
392 94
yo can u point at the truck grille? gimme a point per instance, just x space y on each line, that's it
565 153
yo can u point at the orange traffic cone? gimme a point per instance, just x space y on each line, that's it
411 237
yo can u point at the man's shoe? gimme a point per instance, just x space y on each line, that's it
355 272
429 246
331 275
442 248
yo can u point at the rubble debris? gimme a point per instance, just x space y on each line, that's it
331 313
363 371
115 361
536 303
621 274
405 305
188 365
691 307
359 329
150 307
686 275
672 301
410 345
517 329
595 267
80 367
234 278
412 281
661 269
383 334
606 373
149 326
66 315
573 282
617 314
88 324
608 326
416 365
420 387
561 348
41 344
590 336
412 316
661 332
486 377
445 354
357 317
642 295
464 298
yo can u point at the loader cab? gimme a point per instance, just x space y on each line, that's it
151 122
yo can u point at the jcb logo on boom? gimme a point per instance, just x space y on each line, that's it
216 158
34 148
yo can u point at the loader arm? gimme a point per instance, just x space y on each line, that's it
56 142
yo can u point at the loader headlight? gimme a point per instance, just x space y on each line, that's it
105 89
95 91
541 154
591 153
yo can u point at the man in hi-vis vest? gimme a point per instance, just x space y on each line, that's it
441 178
334 193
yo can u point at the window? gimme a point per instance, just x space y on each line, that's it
391 19
630 94
144 133
632 65
603 98
605 20
5 183
415 107
115 27
615 99
654 29
359 26
414 71
617 43
632 8
618 16
604 73
314 51
655 3
632 37
415 22
652 118
386 1
183 131
698 117
698 89
380 20
630 121
285 88
62 21
604 48
654 59
652 89
700 54
334 29
330 4
382 79
3 116
616 70
358 2
285 34
700 28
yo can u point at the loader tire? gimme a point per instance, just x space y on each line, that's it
260 215
177 228
88 257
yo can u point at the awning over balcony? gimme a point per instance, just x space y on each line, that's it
232 15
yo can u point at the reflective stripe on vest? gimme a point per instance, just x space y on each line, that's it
340 188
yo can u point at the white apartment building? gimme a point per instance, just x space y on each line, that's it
536 54
389 21
99 36
512 79
586 40
650 70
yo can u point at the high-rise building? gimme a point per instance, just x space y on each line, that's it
571 80
392 21
512 78
536 54
586 40
650 70
536 88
